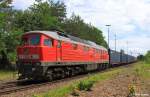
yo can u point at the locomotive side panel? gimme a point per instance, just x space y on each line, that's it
48 49
71 52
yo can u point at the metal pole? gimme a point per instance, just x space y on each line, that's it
108 35
108 43
115 42
127 51
127 47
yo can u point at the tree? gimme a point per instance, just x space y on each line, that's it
58 10
76 27
5 29
147 57
39 16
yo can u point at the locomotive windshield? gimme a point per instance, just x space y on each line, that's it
31 40
34 40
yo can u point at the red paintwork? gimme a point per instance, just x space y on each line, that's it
68 52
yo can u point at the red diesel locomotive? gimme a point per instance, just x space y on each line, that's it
52 54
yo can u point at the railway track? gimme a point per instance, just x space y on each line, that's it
11 87
14 87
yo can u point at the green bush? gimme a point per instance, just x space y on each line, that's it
85 85
12 56
147 57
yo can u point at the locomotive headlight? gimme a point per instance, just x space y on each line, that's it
33 69
35 56
38 64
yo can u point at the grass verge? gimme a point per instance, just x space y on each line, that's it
63 91
142 69
7 75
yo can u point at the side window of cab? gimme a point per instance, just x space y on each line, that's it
48 42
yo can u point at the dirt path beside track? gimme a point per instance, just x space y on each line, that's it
123 85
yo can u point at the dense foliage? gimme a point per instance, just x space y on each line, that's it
147 57
42 15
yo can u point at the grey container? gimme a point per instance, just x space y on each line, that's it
118 58
125 58
131 59
114 57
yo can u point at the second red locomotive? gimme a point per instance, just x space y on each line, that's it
52 54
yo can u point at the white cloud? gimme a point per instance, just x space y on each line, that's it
129 18
135 44
22 4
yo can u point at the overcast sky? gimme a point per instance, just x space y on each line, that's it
130 19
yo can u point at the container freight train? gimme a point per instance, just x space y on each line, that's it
120 58
52 54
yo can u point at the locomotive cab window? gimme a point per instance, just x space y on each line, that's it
34 40
31 40
48 42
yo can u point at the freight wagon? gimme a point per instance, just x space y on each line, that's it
120 58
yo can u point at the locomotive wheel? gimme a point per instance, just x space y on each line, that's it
78 70
62 74
58 73
105 66
49 74
67 72
101 67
